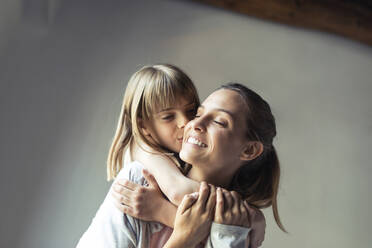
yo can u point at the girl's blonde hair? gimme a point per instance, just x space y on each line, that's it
149 90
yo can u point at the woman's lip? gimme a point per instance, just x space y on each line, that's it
194 140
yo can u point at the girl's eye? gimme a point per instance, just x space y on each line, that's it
167 117
191 112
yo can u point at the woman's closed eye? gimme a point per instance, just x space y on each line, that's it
197 115
220 123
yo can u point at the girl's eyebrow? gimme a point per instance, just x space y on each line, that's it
186 105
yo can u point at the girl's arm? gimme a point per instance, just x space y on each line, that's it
169 178
145 203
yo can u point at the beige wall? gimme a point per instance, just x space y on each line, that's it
61 91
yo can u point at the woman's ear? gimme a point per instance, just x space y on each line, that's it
252 150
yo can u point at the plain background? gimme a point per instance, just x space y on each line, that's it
63 70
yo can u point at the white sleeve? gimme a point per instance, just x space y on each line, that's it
110 227
228 236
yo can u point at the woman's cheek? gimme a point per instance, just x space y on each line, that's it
225 143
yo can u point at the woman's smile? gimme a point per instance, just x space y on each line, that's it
195 141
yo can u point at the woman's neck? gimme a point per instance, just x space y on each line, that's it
217 178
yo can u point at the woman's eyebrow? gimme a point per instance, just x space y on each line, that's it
220 110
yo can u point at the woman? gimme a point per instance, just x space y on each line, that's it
229 144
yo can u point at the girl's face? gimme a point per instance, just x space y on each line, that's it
166 127
216 138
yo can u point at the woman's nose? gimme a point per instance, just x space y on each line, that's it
198 124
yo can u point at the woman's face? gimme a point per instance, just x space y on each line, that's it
215 139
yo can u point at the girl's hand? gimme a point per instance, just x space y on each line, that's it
231 209
145 203
194 218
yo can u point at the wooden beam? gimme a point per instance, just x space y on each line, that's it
350 18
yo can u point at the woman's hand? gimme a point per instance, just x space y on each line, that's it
194 218
231 209
145 203
257 234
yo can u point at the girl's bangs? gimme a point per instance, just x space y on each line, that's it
166 93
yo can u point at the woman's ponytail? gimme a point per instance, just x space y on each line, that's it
257 180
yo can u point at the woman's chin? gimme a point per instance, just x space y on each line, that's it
187 156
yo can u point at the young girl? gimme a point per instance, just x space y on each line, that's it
158 102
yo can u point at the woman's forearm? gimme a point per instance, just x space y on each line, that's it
176 243
167 214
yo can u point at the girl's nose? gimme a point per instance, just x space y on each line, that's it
182 121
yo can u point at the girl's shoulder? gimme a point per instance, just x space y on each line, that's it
132 171
146 154
151 158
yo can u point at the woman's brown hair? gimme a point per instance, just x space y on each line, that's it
257 180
